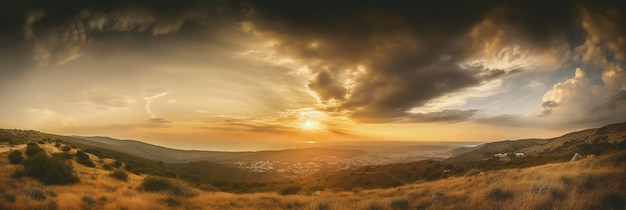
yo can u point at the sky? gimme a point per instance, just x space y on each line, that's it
245 75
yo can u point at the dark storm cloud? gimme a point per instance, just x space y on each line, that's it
411 52
398 56
326 87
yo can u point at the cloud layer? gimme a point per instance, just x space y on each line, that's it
264 66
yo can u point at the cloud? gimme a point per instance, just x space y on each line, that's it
246 124
58 35
106 99
605 41
441 116
579 101
405 61
583 99
41 112
326 86
509 120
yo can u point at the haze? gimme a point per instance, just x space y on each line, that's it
248 75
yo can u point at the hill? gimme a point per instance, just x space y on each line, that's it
168 155
587 184
589 141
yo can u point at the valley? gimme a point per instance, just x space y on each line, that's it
396 176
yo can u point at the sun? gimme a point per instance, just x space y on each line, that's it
310 125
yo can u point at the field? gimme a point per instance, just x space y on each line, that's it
597 183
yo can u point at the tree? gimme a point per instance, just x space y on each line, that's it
32 149
50 170
15 157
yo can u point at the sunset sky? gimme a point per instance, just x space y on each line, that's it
248 74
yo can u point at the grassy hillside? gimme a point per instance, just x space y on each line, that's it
596 183
590 141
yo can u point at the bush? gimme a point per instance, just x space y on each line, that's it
66 148
9 197
50 170
15 157
18 173
107 167
120 175
83 158
172 187
613 200
64 155
172 201
291 190
375 205
400 204
323 206
35 193
57 145
117 163
88 200
155 184
32 149
499 194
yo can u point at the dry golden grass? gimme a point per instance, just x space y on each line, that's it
586 184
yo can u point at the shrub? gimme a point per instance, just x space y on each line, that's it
15 157
107 167
172 201
64 155
400 204
613 200
66 148
35 193
88 200
50 170
291 190
32 149
9 197
499 194
117 163
83 158
58 144
18 173
323 206
161 184
155 184
376 205
120 174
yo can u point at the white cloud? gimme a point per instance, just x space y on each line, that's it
578 100
457 99
41 112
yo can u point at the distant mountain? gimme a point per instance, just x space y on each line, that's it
169 155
